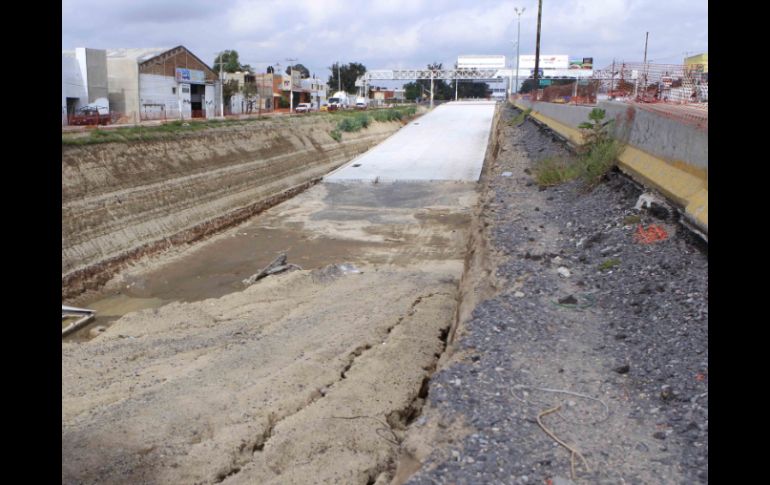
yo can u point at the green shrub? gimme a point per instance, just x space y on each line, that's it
519 119
554 171
609 264
595 130
599 160
336 135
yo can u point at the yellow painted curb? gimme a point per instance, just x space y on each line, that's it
572 134
682 188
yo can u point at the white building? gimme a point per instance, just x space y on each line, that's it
317 90
83 81
161 83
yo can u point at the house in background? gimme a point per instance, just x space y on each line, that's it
161 83
317 89
83 81
239 101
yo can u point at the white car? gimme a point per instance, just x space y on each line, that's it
302 108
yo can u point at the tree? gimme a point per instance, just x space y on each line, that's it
304 71
595 130
229 88
441 89
348 73
411 91
249 91
471 89
527 86
230 62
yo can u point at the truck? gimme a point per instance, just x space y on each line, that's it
340 100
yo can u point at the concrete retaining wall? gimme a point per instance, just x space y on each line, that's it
668 139
121 201
661 153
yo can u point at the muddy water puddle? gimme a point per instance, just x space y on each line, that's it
316 229
216 269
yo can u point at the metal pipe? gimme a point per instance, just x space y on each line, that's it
76 325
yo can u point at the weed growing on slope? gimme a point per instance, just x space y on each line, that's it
597 157
609 264
519 119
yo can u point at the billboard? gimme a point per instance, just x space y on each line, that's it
584 63
546 61
481 62
190 76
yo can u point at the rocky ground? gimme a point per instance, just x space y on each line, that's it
593 336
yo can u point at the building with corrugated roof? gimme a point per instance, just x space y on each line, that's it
161 83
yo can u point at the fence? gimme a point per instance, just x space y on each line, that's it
673 91
672 84
655 83
576 92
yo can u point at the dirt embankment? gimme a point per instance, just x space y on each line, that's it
121 201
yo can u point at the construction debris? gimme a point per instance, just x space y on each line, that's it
278 265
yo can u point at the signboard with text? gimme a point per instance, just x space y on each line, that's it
546 61
190 76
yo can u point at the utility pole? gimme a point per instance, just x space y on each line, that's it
221 88
291 85
510 78
612 80
537 48
431 89
456 83
518 44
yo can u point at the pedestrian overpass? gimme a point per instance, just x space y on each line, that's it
464 74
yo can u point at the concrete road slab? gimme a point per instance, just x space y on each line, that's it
448 143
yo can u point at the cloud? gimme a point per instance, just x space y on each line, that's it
387 34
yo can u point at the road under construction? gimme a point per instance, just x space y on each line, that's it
274 305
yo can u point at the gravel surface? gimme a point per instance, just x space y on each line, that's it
611 331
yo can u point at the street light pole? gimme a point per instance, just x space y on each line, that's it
518 44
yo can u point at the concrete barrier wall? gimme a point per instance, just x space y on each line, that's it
121 201
661 153
671 140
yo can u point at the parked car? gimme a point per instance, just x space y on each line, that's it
302 108
89 115
324 107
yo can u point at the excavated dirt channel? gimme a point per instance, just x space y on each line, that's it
311 373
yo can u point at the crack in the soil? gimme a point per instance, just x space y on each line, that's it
397 419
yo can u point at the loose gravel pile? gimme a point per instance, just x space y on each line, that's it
596 336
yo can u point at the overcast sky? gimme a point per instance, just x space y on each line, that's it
384 34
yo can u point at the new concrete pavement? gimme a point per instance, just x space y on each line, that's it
448 143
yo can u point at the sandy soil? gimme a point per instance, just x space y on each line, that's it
309 373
